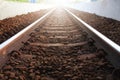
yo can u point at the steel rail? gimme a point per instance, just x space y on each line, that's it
108 45
15 42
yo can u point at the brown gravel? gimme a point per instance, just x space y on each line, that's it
107 26
34 62
12 25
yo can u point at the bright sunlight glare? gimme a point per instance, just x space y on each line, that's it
60 2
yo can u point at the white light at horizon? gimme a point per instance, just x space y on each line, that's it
60 2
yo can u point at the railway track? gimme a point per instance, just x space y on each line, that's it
56 47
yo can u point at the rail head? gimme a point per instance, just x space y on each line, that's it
108 45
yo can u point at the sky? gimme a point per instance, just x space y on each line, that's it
59 1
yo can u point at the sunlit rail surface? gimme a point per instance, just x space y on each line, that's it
56 47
